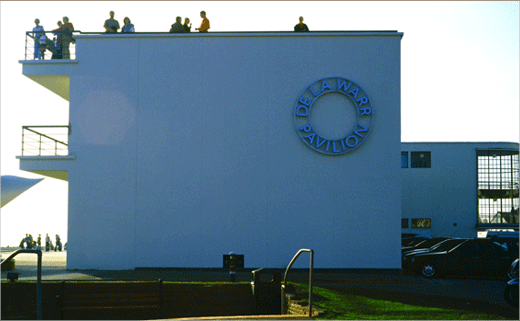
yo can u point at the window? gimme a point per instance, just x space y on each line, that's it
498 178
404 223
421 222
421 160
404 159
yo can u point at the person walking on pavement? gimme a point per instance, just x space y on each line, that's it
39 242
47 243
58 243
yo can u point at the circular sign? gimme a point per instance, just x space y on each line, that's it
320 138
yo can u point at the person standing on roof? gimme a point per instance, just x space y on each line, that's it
38 32
128 27
66 37
111 25
177 27
204 26
187 25
57 32
301 27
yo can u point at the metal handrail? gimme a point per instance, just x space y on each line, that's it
30 47
311 266
53 146
39 277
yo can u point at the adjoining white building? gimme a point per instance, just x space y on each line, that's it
458 189
189 146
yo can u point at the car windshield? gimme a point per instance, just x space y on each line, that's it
411 242
447 245
429 243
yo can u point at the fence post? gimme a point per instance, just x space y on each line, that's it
40 148
23 138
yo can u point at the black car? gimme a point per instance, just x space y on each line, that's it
481 257
442 246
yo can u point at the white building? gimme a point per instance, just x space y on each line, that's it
189 146
459 189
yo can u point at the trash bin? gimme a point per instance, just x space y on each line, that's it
267 291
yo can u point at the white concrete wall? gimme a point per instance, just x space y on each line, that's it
186 149
446 192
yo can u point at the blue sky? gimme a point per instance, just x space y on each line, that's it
459 72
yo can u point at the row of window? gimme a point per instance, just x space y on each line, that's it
416 223
418 160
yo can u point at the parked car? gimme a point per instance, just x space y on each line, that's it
511 290
442 246
475 257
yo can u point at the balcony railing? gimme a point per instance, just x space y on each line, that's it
45 140
53 48
52 51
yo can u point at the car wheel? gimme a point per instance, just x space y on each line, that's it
429 270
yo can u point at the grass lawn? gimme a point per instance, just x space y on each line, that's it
362 304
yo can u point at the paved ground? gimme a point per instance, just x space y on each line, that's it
467 290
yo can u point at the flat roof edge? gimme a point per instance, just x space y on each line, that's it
49 62
240 34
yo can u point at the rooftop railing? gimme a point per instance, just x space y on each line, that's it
54 49
47 141
58 45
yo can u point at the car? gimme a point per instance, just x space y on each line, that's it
443 246
473 257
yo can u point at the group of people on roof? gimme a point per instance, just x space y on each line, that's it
59 45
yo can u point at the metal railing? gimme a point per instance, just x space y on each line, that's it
48 141
38 278
53 48
284 285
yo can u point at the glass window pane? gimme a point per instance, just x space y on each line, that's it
404 159
421 160
421 223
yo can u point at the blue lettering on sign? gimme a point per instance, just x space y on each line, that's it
325 145
324 86
302 111
318 144
305 101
